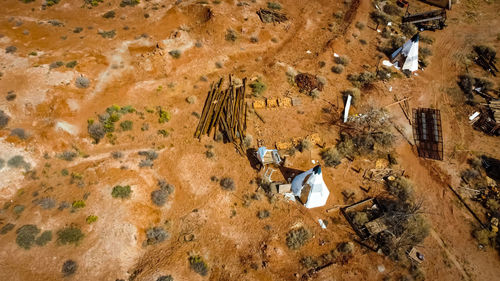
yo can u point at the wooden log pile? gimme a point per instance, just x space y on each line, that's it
225 111
495 108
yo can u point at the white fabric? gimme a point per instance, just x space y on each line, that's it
409 55
318 194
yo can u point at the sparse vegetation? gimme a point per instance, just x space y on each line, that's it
361 80
380 17
262 214
132 3
109 15
156 235
274 5
68 155
296 238
46 203
56 64
10 49
71 64
20 133
96 131
391 9
122 192
359 25
69 235
69 267
78 204
126 125
18 209
227 183
164 115
107 34
18 162
198 265
355 94
6 228
165 278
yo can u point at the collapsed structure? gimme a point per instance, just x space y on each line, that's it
311 188
406 57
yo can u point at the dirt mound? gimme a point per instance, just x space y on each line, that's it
308 82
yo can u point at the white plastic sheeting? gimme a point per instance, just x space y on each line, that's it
318 193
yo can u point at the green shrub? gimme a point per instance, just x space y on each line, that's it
359 25
258 87
274 5
401 187
297 238
91 219
18 209
26 235
78 204
331 157
175 54
69 235
67 155
164 116
126 125
156 235
305 144
56 64
4 119
121 191
71 64
380 17
361 80
309 262
198 265
44 238
132 3
69 267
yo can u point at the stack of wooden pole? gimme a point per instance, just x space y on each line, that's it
224 111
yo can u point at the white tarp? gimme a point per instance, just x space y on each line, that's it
318 192
407 56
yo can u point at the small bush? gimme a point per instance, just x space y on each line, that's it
47 203
69 267
361 80
198 265
82 82
345 247
18 209
107 34
274 5
109 15
44 238
4 119
122 192
363 41
331 157
191 99
355 94
96 131
360 218
309 262
156 235
26 236
380 17
297 238
305 145
424 52
19 132
343 60
337 69
149 154
426 39
483 236
78 29
164 116
18 162
68 155
231 35
262 214
69 235
10 49
227 183
117 154
165 278
391 9
91 219
6 228
359 25
131 3
408 29
126 125
258 87
175 54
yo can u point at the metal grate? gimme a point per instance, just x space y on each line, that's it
427 133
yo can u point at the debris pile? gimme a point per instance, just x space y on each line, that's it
486 58
225 111
308 82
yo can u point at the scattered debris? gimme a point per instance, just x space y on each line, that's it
268 16
431 20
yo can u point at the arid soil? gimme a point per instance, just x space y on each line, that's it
134 67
